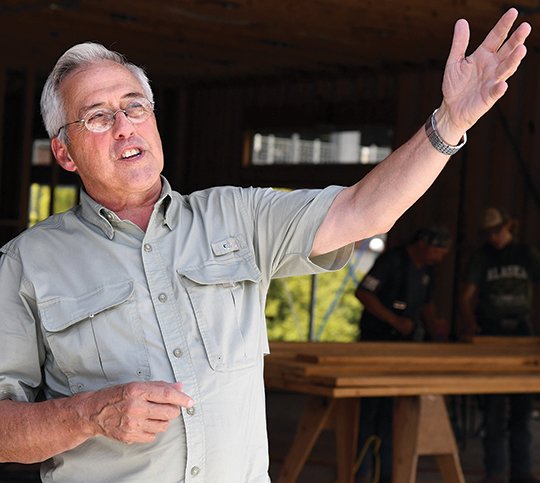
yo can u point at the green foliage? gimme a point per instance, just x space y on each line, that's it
337 310
40 201
65 197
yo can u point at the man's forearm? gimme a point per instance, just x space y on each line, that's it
130 413
33 432
374 306
372 205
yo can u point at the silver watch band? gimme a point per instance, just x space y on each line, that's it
437 141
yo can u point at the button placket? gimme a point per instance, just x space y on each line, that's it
168 317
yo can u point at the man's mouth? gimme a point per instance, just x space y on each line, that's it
131 153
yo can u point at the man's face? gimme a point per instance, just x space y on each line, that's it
434 255
499 237
117 164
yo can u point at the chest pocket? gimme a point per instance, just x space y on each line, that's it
228 308
96 339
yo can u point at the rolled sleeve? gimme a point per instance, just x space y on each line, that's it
20 355
287 223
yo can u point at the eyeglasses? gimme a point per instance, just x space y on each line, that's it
101 120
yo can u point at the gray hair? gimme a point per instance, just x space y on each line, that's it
77 57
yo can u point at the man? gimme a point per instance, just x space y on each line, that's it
140 313
396 293
497 300
396 296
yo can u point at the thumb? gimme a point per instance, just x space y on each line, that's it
460 41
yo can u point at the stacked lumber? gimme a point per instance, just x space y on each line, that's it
337 370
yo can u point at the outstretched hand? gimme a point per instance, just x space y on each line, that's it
472 84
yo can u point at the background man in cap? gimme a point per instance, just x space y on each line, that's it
497 300
398 306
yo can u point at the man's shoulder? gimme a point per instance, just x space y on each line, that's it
389 263
213 192
222 196
32 238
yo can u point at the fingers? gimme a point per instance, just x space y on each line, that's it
137 412
516 40
506 69
498 34
135 426
509 65
161 392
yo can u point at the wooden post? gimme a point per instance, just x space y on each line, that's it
347 420
314 419
422 427
342 416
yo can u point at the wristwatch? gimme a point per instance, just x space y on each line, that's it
437 141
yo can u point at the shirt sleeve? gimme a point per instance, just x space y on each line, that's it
21 352
286 224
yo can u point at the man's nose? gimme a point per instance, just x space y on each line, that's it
122 127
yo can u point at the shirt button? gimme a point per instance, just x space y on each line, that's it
162 297
147 247
177 352
190 411
195 471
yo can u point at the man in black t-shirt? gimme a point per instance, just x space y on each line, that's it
396 293
397 299
497 300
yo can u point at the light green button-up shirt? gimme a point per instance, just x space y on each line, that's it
90 301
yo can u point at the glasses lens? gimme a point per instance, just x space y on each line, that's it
99 121
138 110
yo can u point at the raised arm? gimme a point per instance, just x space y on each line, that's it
471 86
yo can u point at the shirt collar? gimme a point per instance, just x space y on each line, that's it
169 204
105 219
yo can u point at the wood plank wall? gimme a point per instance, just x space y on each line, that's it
487 172
203 128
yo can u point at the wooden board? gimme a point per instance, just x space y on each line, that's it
393 369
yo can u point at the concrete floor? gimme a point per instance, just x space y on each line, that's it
284 410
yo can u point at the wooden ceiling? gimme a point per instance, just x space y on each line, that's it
207 40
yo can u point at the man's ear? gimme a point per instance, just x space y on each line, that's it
62 155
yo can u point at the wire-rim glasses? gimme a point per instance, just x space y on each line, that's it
101 120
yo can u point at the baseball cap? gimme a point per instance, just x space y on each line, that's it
435 235
494 218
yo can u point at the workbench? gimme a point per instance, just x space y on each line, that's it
419 375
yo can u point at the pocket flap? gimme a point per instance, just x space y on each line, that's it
61 312
236 270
